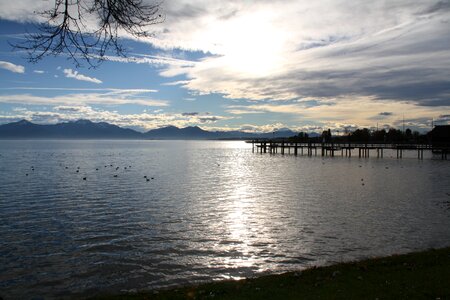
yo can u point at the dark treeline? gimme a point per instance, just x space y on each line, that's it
367 136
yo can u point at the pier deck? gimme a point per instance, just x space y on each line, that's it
344 149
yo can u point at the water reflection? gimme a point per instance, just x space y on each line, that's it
238 204
214 210
238 227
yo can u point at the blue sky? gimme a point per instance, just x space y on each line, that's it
246 65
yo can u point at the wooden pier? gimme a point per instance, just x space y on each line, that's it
342 149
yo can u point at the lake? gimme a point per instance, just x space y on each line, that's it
210 210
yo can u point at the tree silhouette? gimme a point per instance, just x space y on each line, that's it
360 135
86 30
326 136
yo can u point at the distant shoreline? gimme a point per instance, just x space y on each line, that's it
115 139
85 129
417 275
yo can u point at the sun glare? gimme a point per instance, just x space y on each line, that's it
252 45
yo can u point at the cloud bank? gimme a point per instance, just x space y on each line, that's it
330 61
84 96
75 75
283 50
139 121
386 51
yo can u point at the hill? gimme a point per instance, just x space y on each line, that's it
85 129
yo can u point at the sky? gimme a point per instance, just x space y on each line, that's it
256 66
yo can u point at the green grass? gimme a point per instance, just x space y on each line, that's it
423 275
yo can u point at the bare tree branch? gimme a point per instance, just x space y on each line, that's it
70 29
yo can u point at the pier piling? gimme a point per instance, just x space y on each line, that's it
329 149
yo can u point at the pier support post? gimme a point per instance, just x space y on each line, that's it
329 149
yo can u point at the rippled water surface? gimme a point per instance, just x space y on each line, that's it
210 210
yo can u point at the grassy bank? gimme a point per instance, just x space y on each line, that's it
423 275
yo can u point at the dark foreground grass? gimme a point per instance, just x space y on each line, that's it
423 275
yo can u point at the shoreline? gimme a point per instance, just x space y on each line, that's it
416 275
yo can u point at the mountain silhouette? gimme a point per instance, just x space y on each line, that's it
172 132
72 130
86 129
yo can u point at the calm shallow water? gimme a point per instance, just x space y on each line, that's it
214 210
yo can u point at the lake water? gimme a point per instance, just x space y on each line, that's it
213 210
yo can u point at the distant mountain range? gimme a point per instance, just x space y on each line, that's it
85 129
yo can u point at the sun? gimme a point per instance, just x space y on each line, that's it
251 45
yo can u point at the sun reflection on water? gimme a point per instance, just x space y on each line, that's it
239 219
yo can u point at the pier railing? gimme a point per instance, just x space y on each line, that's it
345 149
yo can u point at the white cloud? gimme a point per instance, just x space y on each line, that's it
109 90
75 75
106 96
143 121
19 109
179 82
264 128
151 60
12 67
23 11
328 114
38 71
